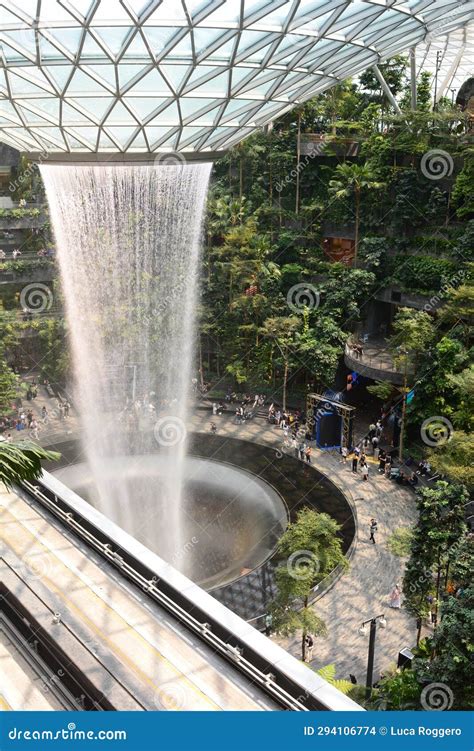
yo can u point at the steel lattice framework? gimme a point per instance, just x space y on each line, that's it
186 75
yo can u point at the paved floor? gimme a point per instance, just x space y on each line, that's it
364 591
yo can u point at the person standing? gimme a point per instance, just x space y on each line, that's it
395 595
268 624
309 644
344 452
308 454
388 466
382 458
373 530
354 463
365 471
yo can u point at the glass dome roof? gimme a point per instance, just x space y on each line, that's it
186 75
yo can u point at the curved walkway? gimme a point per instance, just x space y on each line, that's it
364 591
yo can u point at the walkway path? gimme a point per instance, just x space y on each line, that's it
364 591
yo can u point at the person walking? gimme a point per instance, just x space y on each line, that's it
309 644
373 530
301 450
395 597
308 454
382 459
388 466
365 471
354 463
344 452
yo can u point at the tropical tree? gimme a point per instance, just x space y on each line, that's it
282 330
413 331
21 461
309 550
351 180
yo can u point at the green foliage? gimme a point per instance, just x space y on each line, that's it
308 550
22 461
381 389
463 193
400 541
421 273
453 459
8 384
328 673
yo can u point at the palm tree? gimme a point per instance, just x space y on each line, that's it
20 462
352 179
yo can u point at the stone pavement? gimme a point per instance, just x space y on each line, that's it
364 591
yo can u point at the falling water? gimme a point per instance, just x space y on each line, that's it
128 242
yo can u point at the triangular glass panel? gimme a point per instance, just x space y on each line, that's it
168 10
12 55
151 83
120 116
138 48
68 38
219 84
112 10
154 134
169 116
105 143
182 50
32 118
95 106
104 72
191 106
122 135
91 48
22 86
59 74
175 74
143 106
128 72
158 37
70 116
138 142
113 36
83 84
